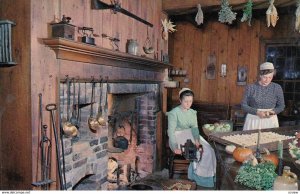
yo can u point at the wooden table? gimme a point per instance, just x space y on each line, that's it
227 167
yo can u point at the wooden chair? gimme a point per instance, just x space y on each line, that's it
177 165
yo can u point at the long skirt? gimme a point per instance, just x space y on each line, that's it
203 172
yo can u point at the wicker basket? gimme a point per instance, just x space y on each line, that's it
208 132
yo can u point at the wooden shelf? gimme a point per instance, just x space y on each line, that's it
76 51
171 75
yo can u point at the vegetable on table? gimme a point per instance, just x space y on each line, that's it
240 154
260 177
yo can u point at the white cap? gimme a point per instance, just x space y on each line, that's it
184 89
266 65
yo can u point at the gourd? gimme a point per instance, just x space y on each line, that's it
240 154
230 149
270 157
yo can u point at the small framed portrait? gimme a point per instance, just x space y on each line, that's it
241 75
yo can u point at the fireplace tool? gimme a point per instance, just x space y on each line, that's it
68 128
92 121
61 175
45 147
79 105
73 119
100 118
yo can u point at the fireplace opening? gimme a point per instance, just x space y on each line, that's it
129 135
83 183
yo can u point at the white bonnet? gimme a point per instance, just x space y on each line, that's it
266 65
184 89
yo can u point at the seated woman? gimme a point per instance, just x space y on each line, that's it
182 123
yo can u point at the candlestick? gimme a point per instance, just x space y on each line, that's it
280 152
280 149
258 144
258 137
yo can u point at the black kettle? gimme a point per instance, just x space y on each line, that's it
120 142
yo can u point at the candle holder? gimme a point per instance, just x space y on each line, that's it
257 154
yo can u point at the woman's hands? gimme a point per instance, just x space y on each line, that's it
197 144
265 114
178 151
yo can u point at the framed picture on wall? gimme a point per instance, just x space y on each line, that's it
210 71
241 75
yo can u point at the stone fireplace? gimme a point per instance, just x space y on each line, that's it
130 112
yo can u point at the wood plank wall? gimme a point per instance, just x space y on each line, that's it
15 117
38 71
190 47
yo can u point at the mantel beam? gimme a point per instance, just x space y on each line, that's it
76 51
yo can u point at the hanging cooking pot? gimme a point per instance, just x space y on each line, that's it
121 142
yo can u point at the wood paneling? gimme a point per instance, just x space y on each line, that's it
235 45
15 104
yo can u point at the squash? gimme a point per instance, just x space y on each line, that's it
270 157
241 154
230 149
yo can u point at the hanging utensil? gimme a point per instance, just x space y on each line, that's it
77 107
148 48
100 118
131 126
68 128
105 102
92 121
73 119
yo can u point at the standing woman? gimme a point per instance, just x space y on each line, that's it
263 100
182 123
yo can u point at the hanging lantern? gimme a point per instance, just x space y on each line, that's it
5 43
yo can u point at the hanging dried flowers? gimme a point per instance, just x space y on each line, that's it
297 13
199 17
247 12
272 15
168 26
226 15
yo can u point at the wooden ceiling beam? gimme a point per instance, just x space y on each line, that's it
170 6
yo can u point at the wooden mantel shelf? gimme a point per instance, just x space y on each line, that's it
77 51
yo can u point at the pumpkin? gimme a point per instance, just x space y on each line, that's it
240 154
270 157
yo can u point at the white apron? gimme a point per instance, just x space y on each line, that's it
254 122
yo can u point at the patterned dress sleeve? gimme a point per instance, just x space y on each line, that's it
280 105
245 102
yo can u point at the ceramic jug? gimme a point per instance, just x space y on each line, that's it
288 180
132 47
